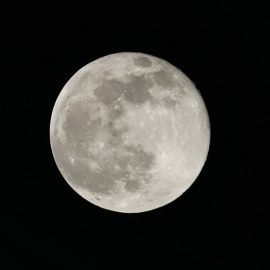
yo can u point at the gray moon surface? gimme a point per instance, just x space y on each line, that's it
130 132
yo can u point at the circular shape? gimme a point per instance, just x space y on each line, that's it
129 132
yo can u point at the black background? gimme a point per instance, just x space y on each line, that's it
221 221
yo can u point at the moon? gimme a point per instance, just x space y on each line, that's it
130 132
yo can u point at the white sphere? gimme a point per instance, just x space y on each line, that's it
129 132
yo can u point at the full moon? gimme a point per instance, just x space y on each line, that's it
129 132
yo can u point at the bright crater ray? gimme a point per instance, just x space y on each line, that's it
129 132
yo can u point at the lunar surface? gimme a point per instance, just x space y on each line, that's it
130 132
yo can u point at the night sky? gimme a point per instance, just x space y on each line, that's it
220 222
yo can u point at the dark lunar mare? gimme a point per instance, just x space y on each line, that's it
142 62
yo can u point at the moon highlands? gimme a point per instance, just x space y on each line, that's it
130 132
